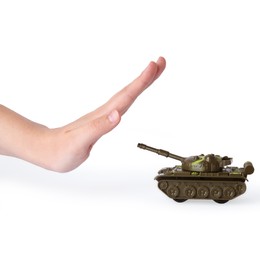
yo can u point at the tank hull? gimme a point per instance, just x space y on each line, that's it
219 186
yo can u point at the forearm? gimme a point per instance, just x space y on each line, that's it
20 137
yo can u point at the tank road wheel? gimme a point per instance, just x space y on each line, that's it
229 193
203 192
163 185
190 192
216 192
173 192
241 188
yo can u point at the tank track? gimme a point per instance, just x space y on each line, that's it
219 191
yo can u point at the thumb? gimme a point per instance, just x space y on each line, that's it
102 125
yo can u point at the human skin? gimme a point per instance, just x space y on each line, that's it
65 148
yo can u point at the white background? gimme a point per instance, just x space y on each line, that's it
61 59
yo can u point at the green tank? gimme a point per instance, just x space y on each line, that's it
201 177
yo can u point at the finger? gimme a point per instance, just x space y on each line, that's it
161 64
97 127
147 77
124 98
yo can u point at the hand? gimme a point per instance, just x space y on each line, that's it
65 148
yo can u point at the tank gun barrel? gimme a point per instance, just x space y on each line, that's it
161 152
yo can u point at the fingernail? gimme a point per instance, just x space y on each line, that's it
113 116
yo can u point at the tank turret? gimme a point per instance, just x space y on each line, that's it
197 163
201 177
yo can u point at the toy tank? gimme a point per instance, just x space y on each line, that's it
201 177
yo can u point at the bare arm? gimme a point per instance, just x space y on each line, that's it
65 148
